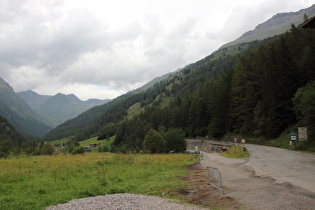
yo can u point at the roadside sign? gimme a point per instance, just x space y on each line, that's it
293 136
302 133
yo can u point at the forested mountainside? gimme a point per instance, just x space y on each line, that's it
258 96
8 135
14 109
60 107
93 120
87 121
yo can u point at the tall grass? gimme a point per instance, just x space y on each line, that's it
36 182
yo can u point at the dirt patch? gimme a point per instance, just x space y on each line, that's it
196 193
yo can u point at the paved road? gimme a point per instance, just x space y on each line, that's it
283 165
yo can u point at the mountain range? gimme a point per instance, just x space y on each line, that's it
58 108
34 115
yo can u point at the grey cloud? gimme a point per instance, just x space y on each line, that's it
76 48
52 44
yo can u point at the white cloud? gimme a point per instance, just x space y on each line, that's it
105 48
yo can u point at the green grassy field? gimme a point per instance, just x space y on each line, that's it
104 142
95 141
63 141
35 182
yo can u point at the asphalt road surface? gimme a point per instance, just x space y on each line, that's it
283 165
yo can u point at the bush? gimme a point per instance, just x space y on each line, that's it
175 140
47 149
78 150
3 155
154 142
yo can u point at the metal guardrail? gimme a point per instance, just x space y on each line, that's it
215 179
213 141
227 143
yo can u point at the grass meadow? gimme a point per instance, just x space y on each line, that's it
36 182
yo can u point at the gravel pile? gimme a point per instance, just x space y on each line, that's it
124 202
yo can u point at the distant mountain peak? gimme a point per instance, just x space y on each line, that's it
60 107
59 94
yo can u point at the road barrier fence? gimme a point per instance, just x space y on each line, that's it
215 179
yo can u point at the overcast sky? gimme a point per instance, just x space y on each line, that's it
104 48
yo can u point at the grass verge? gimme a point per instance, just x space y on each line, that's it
236 151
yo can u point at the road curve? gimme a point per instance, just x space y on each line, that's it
283 165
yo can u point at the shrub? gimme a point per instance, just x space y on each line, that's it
47 149
3 155
154 142
78 150
175 140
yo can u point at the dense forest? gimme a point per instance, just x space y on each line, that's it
9 137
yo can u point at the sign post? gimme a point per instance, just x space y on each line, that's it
292 141
302 133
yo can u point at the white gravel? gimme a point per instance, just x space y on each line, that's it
124 202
